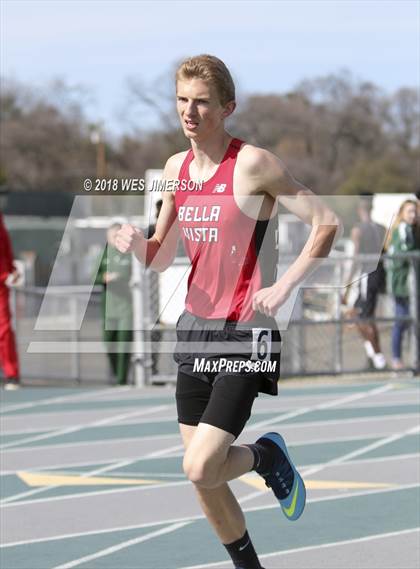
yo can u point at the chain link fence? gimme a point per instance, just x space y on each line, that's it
319 338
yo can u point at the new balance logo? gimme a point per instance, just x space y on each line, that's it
219 188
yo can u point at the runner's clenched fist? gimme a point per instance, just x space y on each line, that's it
128 238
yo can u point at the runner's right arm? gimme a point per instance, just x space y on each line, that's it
159 251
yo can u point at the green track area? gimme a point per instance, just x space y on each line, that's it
334 519
99 482
343 413
90 405
40 397
5 439
155 428
30 394
169 469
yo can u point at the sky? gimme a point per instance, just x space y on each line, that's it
269 46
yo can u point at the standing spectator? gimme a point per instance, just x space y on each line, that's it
418 281
155 335
368 238
114 274
152 227
403 238
8 353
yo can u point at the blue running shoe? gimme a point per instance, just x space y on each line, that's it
283 478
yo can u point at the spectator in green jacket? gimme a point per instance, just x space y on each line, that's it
114 274
403 238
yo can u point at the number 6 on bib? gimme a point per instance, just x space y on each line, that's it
261 344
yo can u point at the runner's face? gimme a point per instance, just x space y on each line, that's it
199 108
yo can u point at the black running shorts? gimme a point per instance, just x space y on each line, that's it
222 366
225 403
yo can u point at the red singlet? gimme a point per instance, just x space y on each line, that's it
224 245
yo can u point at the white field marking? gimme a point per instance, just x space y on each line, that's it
373 460
131 459
163 452
126 474
170 452
123 545
177 435
177 455
170 418
392 399
334 403
196 517
133 474
369 405
95 472
109 392
10 501
308 471
61 399
363 450
139 394
89 443
108 468
312 547
24 418
146 421
307 424
81 427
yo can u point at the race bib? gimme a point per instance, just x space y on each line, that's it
261 344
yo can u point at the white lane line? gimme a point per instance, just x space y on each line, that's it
351 421
196 517
400 457
163 453
342 459
170 417
380 404
382 442
111 391
312 547
299 425
95 472
113 442
263 407
61 399
170 452
123 545
321 406
5 503
177 455
81 427
244 499
108 468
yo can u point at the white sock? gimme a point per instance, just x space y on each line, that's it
379 361
369 349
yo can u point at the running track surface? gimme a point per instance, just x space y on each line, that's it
93 479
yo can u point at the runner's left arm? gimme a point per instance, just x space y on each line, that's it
270 176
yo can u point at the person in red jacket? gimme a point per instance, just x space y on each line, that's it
8 354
